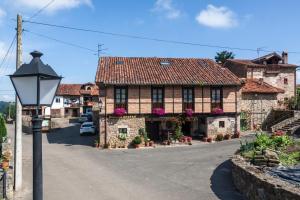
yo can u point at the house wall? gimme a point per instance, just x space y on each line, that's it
173 99
276 80
258 106
58 105
213 127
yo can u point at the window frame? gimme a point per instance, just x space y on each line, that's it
186 105
121 104
162 103
214 105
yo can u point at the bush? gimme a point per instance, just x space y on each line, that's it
178 134
137 140
220 137
3 131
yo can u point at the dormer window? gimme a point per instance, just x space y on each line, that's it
120 62
165 63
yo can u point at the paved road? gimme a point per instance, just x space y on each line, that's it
74 170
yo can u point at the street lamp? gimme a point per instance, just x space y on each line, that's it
36 84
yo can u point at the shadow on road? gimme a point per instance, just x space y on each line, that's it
221 183
69 136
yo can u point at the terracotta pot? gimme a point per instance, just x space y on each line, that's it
209 139
5 164
168 142
204 139
137 146
146 144
150 143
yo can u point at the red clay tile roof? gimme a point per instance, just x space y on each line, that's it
76 90
257 86
150 71
250 63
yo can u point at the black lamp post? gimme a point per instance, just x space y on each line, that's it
36 84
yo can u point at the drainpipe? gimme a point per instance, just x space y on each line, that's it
105 117
236 111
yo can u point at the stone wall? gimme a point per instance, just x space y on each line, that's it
131 123
258 106
214 128
256 185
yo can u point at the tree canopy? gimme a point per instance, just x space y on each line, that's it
222 56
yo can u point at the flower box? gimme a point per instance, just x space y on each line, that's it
119 112
158 111
217 111
189 112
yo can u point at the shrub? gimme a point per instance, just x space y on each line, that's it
178 133
3 131
227 136
137 140
219 137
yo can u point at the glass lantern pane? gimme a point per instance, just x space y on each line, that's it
47 90
26 88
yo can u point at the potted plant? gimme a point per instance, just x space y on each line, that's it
168 142
227 136
150 143
6 156
97 143
209 139
119 112
137 141
189 139
204 139
236 134
165 142
219 137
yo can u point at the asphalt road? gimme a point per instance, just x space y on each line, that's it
73 169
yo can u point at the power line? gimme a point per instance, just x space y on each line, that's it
147 38
42 9
63 42
5 68
8 50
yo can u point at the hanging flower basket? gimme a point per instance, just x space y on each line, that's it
119 112
158 111
217 111
189 112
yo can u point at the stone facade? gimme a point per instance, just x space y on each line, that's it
259 106
276 79
254 184
131 123
221 125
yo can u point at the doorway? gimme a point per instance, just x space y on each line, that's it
186 128
152 129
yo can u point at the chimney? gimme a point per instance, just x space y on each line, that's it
284 57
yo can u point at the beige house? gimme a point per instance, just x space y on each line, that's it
154 91
268 82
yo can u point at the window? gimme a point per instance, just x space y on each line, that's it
188 98
157 97
57 100
123 131
221 124
121 97
216 98
285 80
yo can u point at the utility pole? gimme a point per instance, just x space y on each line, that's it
18 124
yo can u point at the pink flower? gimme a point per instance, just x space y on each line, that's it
120 112
217 111
189 112
158 111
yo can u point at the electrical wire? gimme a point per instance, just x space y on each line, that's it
42 9
8 50
60 41
148 38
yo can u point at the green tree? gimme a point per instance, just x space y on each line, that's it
10 110
3 131
222 56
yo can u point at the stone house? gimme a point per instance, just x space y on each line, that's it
175 86
268 82
71 100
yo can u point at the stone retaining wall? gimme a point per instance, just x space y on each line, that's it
256 185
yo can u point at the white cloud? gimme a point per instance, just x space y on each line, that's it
167 8
54 6
2 14
217 17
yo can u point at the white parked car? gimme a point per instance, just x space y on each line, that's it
87 128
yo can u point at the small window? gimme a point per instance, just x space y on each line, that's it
57 100
165 62
285 80
120 62
123 131
221 124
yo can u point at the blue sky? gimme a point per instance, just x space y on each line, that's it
270 24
